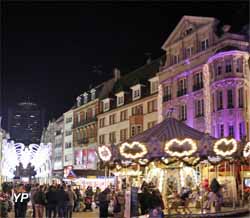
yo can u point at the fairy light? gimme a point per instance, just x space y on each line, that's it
143 161
104 153
192 150
214 159
219 151
123 150
246 151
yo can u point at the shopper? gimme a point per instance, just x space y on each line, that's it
144 200
51 202
62 201
5 203
20 203
88 199
72 198
40 202
96 196
34 189
104 199
119 205
78 200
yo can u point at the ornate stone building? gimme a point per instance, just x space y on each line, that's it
206 78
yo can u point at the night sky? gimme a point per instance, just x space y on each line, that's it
49 49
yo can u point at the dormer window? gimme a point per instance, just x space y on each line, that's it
85 97
136 91
78 99
153 85
189 51
204 44
106 104
120 98
92 91
189 30
176 59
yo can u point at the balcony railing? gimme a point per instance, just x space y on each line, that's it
167 98
84 122
83 141
197 86
181 92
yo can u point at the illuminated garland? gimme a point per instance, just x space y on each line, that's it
214 159
126 150
185 153
104 153
246 151
143 162
219 151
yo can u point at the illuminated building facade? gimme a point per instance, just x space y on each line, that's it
205 81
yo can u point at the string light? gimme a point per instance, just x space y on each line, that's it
214 159
221 152
104 153
126 150
187 141
246 151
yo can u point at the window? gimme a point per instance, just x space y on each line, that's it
189 52
112 119
218 70
89 114
219 100
213 102
112 138
136 94
102 122
204 45
240 98
239 65
106 106
151 124
136 129
102 139
152 106
228 66
137 110
68 132
197 81
221 131
182 87
78 117
199 108
154 87
68 145
241 130
69 120
176 59
230 98
231 131
123 135
167 93
183 112
188 31
120 100
124 115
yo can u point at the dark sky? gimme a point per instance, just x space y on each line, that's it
49 49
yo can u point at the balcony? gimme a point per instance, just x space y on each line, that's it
82 141
181 92
197 86
167 98
84 122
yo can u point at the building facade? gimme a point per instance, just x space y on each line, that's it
132 108
205 79
68 151
26 122
85 125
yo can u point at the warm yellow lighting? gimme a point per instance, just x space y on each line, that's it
104 153
143 161
246 151
214 159
184 153
227 142
126 150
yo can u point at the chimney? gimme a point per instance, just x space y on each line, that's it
117 74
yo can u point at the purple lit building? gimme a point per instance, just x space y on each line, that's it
206 77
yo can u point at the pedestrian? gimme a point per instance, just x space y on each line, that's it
62 201
20 203
78 199
156 205
96 196
5 203
51 202
119 205
72 198
144 200
88 199
104 200
40 202
34 189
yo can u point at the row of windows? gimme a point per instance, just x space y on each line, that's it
85 115
85 99
199 109
231 130
68 145
137 110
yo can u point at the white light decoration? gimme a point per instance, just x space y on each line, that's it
104 153
246 151
227 142
214 159
15 153
125 147
184 153
143 161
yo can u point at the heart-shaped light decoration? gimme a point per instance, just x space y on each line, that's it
246 151
180 148
134 150
225 147
104 153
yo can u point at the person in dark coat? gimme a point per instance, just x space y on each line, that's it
156 205
62 202
40 202
104 199
51 202
144 201
20 204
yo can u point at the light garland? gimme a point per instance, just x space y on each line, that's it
104 153
214 159
220 152
185 153
126 147
246 151
143 161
